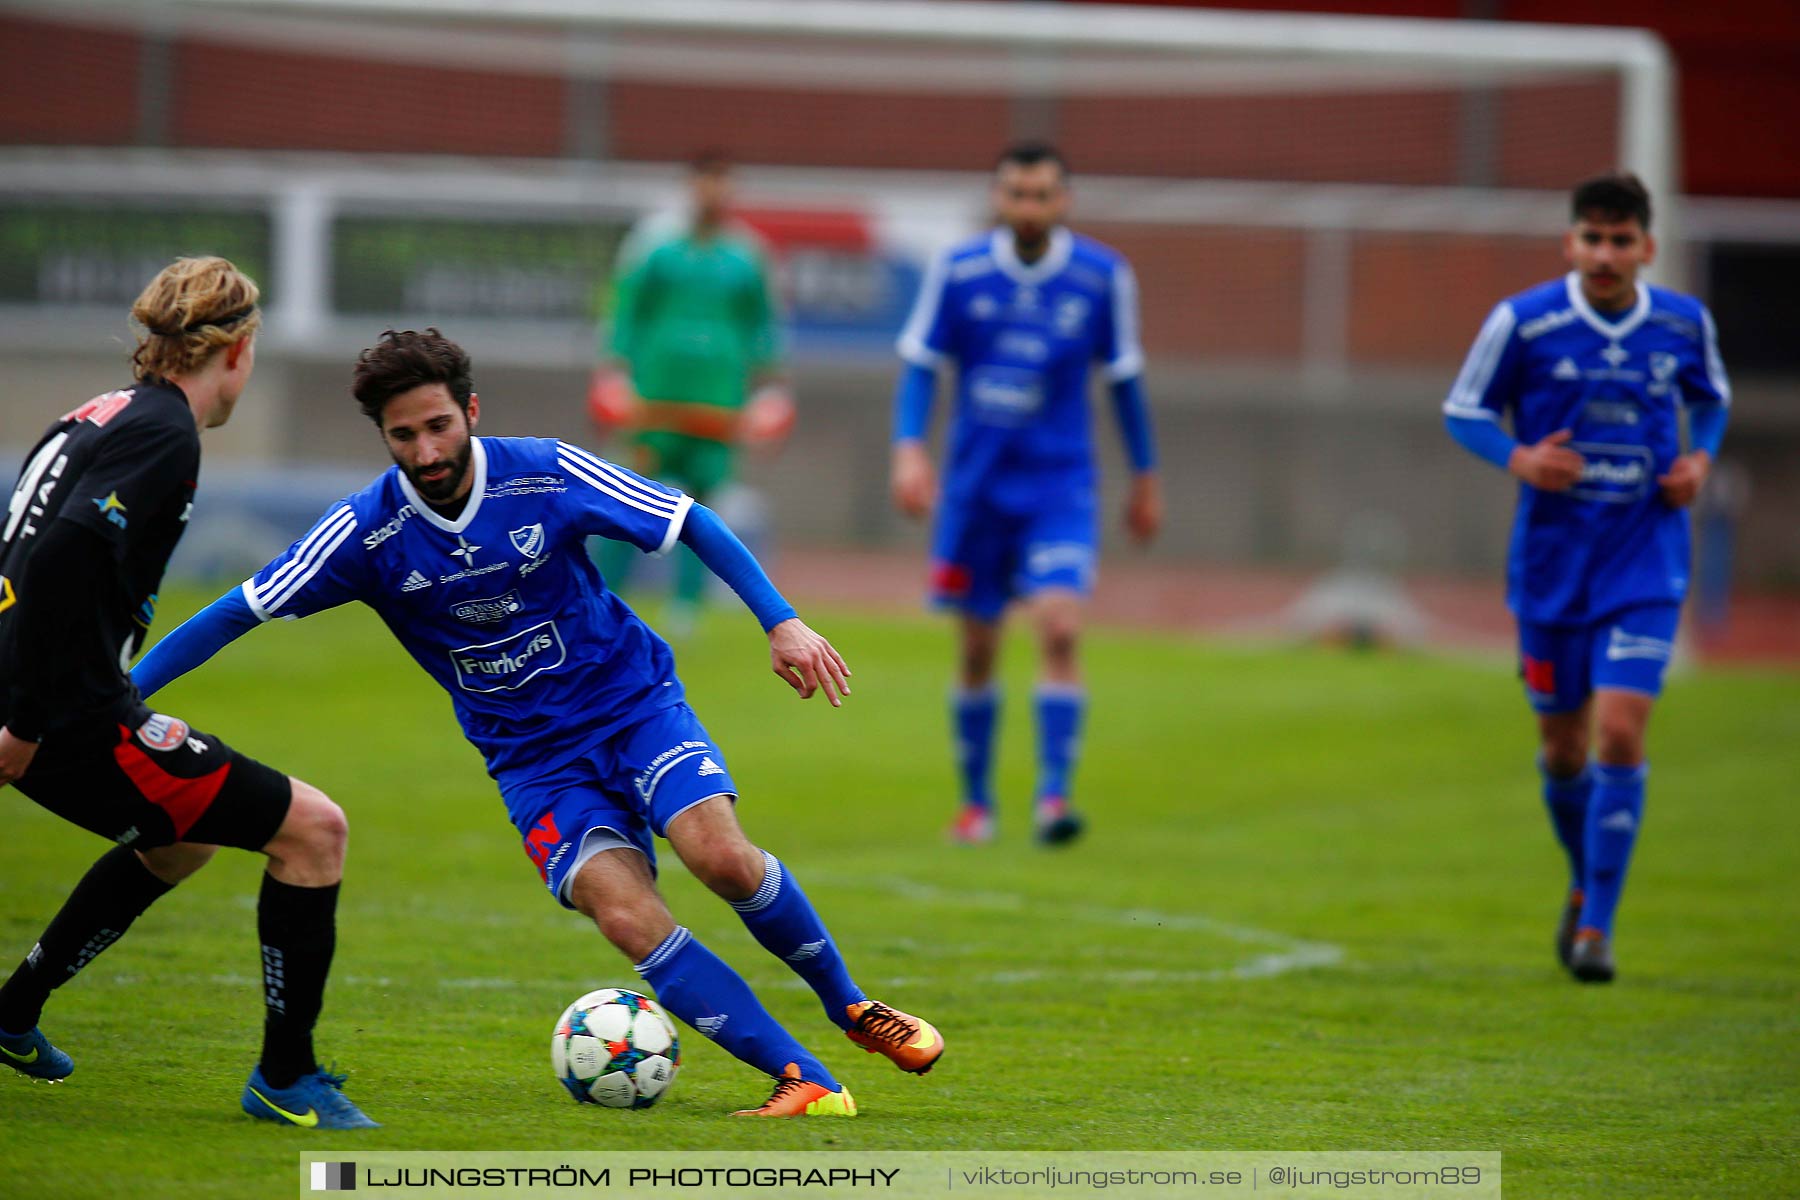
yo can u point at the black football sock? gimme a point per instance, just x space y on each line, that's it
298 927
97 913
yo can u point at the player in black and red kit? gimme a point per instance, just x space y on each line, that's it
97 510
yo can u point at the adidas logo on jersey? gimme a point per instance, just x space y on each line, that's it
709 767
710 1026
1566 369
1619 822
415 582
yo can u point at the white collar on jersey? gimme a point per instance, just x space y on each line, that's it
478 464
1006 256
1611 330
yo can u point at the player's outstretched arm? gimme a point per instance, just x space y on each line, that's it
194 641
805 661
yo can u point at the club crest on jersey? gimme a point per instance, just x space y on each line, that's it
1071 315
528 541
162 732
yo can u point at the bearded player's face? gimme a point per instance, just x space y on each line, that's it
428 436
1030 198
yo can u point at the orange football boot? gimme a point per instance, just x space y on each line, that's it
794 1097
912 1044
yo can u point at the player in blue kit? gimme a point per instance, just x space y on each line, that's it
472 551
1595 370
1024 312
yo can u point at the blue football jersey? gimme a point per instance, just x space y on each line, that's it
501 606
1024 338
1548 360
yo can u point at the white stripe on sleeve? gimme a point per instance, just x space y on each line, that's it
912 344
1128 352
675 523
1715 365
274 595
302 555
1471 386
624 480
660 506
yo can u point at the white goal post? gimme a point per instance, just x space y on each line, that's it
1647 127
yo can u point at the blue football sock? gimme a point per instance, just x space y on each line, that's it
1567 799
784 922
976 712
1614 815
1059 712
695 984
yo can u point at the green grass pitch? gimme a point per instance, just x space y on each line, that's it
1314 913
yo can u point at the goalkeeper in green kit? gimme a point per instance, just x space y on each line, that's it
695 364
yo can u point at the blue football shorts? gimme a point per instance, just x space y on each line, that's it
982 558
621 793
1630 650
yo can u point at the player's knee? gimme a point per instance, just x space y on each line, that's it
975 661
1619 740
732 872
172 864
1564 748
1060 639
309 848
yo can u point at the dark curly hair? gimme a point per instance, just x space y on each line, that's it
405 359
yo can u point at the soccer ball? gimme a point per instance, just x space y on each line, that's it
615 1048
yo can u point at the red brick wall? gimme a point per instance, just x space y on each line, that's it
230 96
62 86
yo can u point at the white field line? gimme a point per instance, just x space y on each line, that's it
1283 952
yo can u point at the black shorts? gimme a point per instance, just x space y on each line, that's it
157 784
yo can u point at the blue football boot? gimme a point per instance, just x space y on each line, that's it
315 1101
32 1055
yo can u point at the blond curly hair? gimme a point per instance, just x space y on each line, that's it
192 309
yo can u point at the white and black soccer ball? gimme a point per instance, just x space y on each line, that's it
615 1048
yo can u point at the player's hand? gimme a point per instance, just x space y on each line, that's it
1549 466
807 662
610 402
1144 508
15 756
769 416
913 484
1687 475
